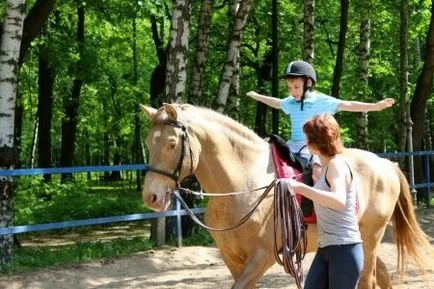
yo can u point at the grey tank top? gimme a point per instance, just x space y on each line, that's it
337 227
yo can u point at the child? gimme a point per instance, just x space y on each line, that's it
304 102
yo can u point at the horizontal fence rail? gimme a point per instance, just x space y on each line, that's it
94 221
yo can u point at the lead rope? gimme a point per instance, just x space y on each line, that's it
294 238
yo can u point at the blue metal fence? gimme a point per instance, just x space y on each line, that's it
178 212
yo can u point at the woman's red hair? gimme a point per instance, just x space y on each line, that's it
322 132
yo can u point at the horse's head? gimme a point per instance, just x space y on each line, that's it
170 155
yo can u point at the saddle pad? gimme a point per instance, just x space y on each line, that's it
285 170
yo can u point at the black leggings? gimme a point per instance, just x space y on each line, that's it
336 267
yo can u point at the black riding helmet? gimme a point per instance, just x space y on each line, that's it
300 68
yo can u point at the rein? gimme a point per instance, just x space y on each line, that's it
294 238
237 224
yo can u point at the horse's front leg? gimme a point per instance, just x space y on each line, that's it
254 268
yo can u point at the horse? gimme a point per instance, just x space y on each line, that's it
226 156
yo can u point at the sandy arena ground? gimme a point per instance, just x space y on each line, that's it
188 267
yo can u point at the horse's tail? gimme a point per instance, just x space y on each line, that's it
411 241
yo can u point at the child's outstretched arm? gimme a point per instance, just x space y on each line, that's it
357 106
268 100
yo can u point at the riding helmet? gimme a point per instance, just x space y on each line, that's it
300 68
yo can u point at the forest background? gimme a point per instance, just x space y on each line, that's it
85 66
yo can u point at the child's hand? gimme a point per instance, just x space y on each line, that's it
385 103
252 94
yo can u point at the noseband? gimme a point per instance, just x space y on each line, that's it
185 145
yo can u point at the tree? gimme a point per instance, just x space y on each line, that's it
309 30
69 123
198 75
176 69
46 77
403 71
341 48
421 94
9 57
364 54
232 53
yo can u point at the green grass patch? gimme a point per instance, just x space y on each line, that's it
28 259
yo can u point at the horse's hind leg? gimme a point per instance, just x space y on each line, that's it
372 237
382 275
254 267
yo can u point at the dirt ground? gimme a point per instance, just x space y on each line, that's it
189 267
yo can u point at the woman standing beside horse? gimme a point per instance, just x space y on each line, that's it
338 262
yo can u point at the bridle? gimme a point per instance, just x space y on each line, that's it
176 175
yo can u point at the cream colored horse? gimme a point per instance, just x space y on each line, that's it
227 157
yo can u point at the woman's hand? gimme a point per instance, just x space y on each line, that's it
294 184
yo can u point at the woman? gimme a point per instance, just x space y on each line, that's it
338 262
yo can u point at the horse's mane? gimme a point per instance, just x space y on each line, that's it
235 131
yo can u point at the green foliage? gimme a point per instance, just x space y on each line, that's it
36 202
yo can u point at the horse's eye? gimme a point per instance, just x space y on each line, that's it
172 145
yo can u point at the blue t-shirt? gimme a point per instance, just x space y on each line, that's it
315 103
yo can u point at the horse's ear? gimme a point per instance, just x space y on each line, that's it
149 111
171 111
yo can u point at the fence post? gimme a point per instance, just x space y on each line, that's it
428 180
410 149
178 223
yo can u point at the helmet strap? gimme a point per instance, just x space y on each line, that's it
305 89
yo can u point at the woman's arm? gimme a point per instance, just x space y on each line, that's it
268 100
357 106
338 178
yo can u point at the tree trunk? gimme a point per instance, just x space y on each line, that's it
34 141
341 48
176 69
232 54
106 157
309 30
158 76
34 23
421 94
427 139
46 77
364 54
18 129
116 175
403 74
69 123
198 76
137 155
423 88
233 102
9 56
